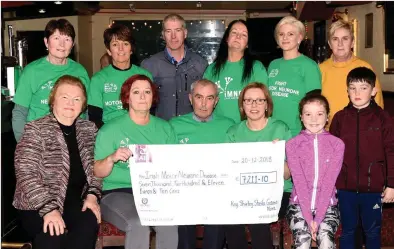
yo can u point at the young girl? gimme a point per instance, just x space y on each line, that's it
314 158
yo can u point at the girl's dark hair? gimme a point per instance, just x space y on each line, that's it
314 97
222 54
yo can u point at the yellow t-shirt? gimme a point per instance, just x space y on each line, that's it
334 88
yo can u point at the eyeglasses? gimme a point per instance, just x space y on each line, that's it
257 101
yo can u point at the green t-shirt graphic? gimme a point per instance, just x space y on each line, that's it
105 89
190 131
121 132
37 80
289 81
230 85
275 129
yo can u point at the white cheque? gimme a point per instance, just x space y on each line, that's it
234 183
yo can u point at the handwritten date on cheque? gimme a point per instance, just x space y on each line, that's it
257 159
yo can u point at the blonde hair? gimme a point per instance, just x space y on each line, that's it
293 21
340 24
68 80
173 17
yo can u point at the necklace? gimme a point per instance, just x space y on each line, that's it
69 128
65 133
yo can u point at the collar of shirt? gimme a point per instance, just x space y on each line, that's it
202 121
173 61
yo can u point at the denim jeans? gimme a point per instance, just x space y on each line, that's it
369 207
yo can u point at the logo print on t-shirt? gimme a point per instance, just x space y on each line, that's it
124 143
223 89
184 140
273 73
110 87
47 85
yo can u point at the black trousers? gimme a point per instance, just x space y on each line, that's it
213 237
260 233
82 230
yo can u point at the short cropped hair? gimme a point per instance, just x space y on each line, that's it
204 82
340 24
361 74
120 32
63 25
264 88
69 80
125 91
293 21
173 17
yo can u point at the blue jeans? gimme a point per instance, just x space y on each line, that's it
369 207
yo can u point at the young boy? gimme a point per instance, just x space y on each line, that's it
366 179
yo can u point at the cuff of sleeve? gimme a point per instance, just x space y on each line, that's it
48 207
94 191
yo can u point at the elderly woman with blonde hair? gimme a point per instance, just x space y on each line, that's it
56 192
335 69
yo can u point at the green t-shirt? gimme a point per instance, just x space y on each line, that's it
289 81
37 80
275 129
105 89
230 85
121 132
190 131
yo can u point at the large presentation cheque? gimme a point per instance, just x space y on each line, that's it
234 183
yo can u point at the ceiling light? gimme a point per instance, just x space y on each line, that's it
42 11
58 2
379 4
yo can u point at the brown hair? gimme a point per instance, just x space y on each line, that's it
125 91
314 97
63 25
264 88
119 32
70 80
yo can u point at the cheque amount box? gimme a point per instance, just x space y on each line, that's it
258 178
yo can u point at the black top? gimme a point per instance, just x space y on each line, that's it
77 177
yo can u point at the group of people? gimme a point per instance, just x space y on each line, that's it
73 173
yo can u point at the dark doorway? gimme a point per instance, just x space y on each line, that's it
321 48
262 39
